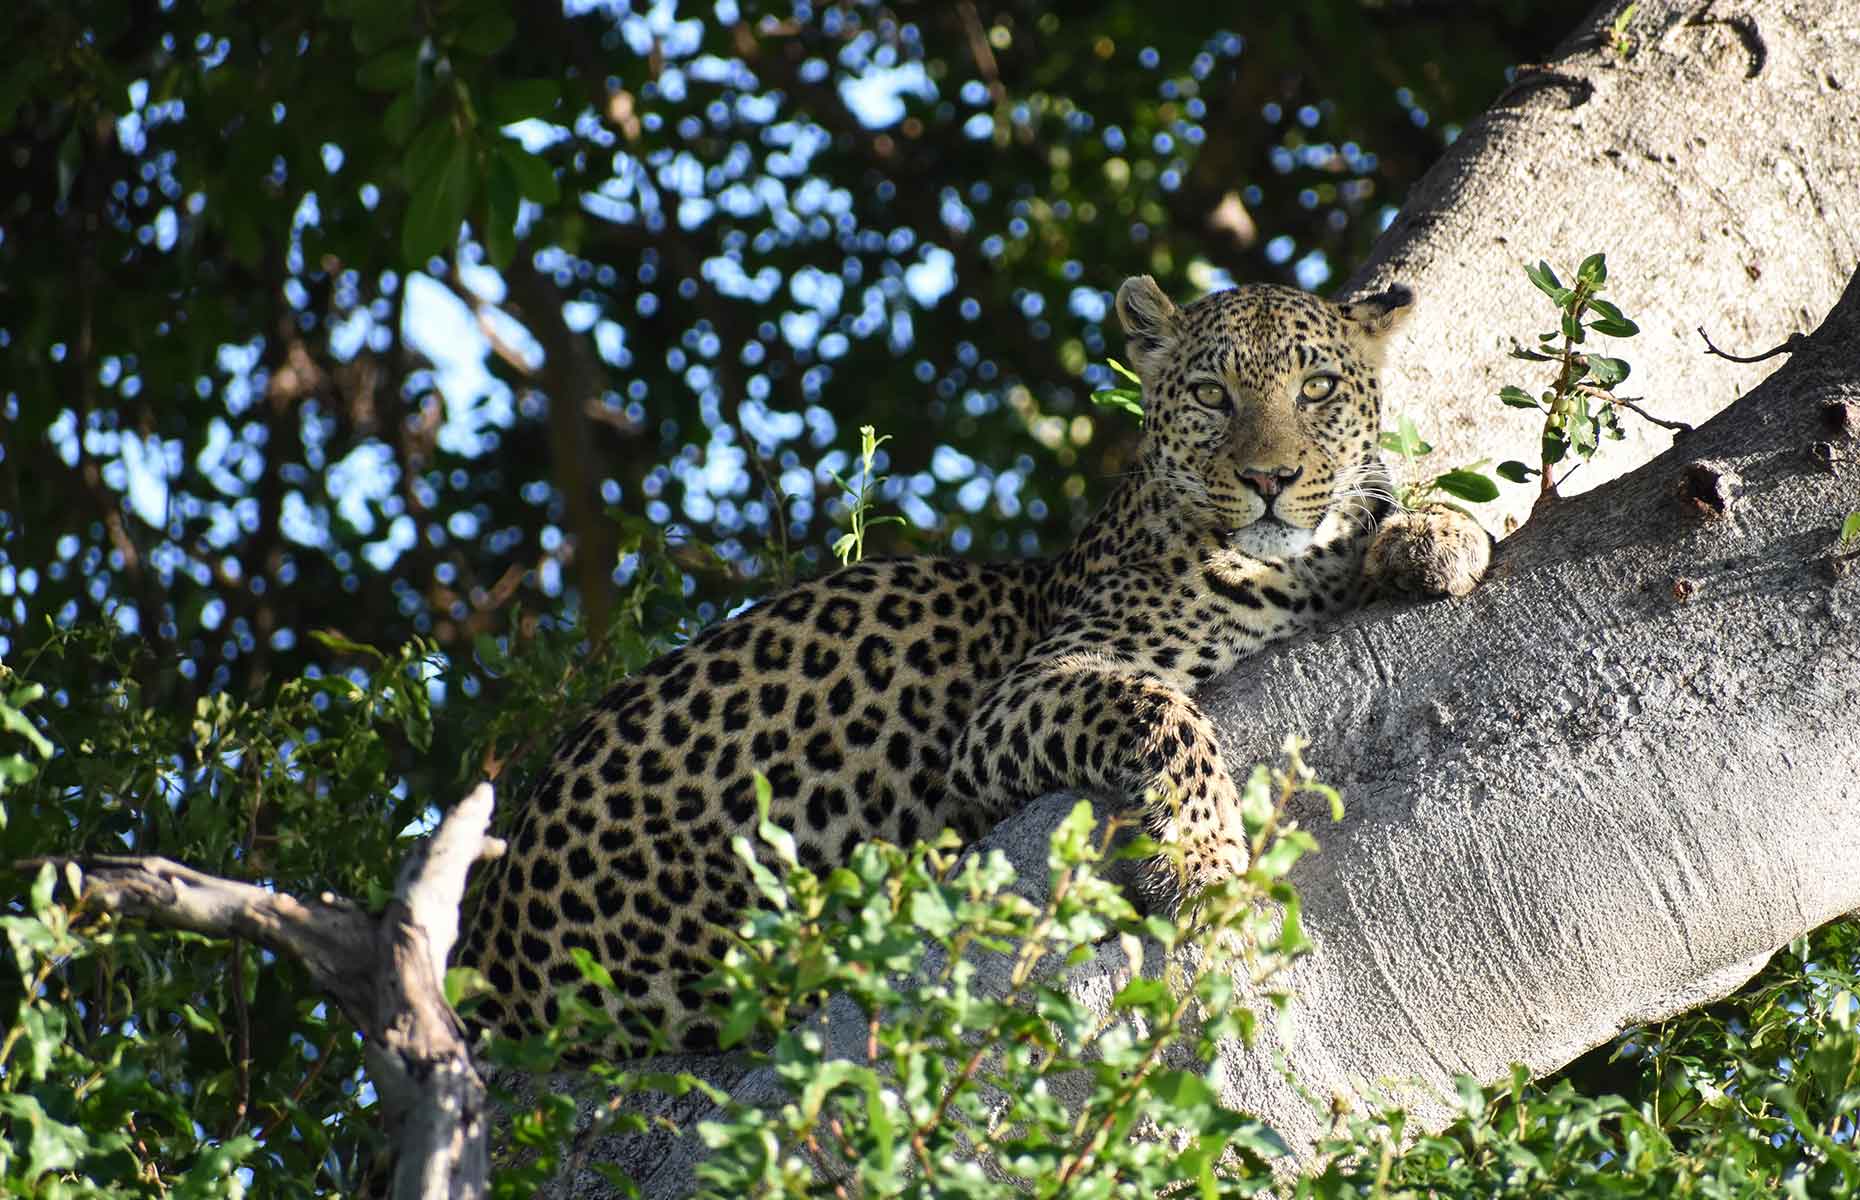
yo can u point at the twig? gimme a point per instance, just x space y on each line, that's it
1632 404
303 1085
1794 342
1643 414
984 56
244 1017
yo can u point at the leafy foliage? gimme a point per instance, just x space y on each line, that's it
974 1044
849 547
380 306
1754 1096
1469 483
131 1057
1580 406
136 1061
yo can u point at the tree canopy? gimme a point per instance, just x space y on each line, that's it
515 341
393 302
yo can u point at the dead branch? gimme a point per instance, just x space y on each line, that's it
1794 342
386 973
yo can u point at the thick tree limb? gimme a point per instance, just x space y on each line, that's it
386 973
1722 186
1603 789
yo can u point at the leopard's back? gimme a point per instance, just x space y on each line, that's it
847 693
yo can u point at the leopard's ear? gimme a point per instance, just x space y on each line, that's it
1149 321
1380 313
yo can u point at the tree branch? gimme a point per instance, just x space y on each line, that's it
386 973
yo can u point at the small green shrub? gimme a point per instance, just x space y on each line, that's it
1580 406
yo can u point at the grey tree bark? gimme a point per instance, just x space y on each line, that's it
1717 164
1604 789
1608 785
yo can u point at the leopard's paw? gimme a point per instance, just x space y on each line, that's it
1436 550
1170 882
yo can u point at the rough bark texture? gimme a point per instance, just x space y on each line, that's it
1606 786
1718 167
1601 790
386 973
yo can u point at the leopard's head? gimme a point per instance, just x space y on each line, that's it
1262 412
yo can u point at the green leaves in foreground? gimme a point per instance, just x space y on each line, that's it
1129 399
977 1047
138 1062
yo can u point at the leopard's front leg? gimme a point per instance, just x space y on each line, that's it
1079 721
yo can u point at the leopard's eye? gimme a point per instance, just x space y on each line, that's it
1318 388
1212 395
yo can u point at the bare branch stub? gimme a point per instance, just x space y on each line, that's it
1794 342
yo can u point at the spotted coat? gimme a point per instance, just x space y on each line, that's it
892 699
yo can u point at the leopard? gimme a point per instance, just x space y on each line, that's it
894 698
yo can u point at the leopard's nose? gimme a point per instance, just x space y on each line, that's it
1270 481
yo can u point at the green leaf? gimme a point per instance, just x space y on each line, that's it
1850 528
199 1021
1472 1100
43 884
1141 993
774 836
1468 485
397 123
1516 397
503 202
1125 371
535 177
1606 371
331 639
1582 432
1593 271
1547 282
392 71
1405 440
1128 399
211 1174
591 970
438 204
523 99
50 1146
1612 323
487 33
1555 447
12 720
931 913
745 1017
764 879
462 983
1516 471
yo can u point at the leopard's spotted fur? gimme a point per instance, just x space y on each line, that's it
893 698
